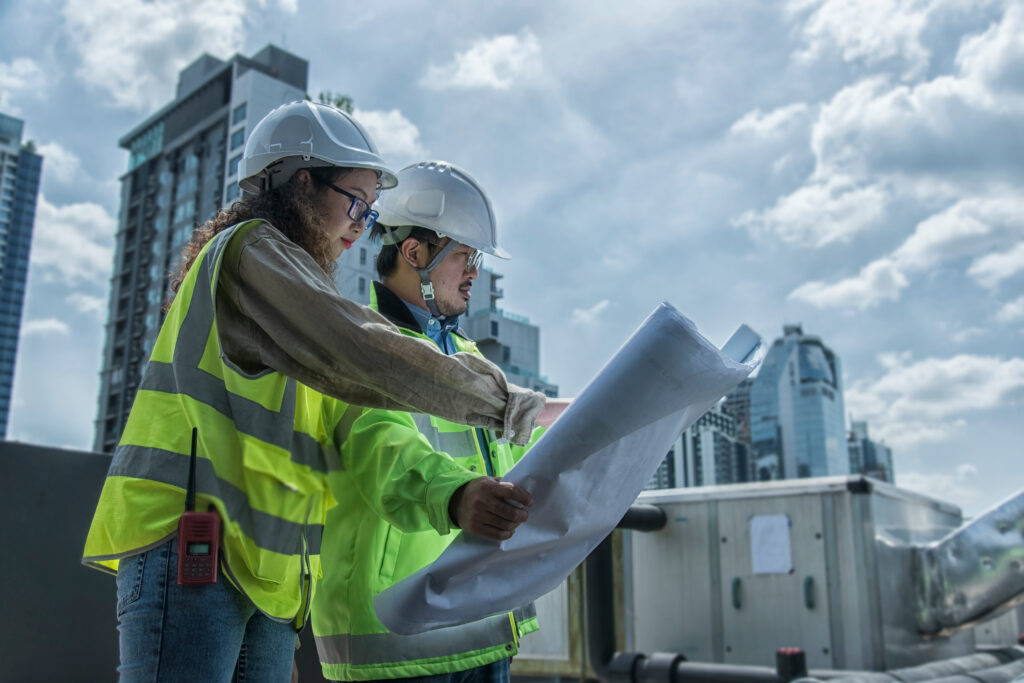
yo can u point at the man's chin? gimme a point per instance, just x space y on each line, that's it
450 311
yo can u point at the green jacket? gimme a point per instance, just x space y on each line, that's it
261 456
379 534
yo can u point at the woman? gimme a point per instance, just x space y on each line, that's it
259 353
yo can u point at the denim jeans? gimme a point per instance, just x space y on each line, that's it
205 633
497 672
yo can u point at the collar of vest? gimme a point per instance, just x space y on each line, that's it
391 306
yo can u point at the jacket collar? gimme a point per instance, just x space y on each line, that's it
394 309
391 306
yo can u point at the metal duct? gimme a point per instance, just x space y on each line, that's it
973 573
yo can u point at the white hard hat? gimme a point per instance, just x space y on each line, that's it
304 135
444 198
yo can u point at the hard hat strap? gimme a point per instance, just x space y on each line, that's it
426 286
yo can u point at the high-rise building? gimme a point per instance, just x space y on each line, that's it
867 456
797 423
182 167
708 453
508 340
356 269
20 168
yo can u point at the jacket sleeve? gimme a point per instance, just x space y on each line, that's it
396 471
277 309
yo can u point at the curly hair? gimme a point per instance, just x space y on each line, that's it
292 208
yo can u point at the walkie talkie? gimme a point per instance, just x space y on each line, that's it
198 535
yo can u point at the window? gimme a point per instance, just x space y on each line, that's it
362 285
233 166
506 355
239 114
494 328
362 256
237 138
233 192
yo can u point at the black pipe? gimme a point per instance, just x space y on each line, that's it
643 518
612 666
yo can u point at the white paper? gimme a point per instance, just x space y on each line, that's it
770 549
584 473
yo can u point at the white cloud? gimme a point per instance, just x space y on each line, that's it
22 75
47 326
589 316
1011 311
878 281
820 213
997 55
62 164
869 32
762 124
971 226
73 243
967 334
83 303
978 225
960 484
133 49
915 402
395 135
497 63
991 269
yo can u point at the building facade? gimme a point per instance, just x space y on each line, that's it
797 421
20 169
508 340
867 456
708 453
182 167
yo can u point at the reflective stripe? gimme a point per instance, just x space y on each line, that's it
525 612
267 531
185 376
461 444
341 432
389 648
248 416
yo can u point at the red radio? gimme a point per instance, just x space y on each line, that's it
198 535
198 540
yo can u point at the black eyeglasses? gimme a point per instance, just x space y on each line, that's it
358 210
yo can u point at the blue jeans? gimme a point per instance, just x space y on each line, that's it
497 672
193 633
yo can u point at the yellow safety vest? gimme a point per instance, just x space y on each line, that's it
263 440
365 554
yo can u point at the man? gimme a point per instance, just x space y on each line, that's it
434 228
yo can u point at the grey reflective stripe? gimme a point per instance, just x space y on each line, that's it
525 612
456 444
267 531
341 432
184 376
387 648
249 416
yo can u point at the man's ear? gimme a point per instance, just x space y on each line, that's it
303 176
411 250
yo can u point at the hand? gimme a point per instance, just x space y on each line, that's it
481 507
553 407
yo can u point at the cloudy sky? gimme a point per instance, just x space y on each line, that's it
854 166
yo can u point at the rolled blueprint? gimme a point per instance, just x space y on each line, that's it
584 473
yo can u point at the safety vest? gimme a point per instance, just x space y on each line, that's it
261 455
365 554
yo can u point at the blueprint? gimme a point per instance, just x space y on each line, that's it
584 473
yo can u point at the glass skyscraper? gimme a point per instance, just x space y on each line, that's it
20 168
182 167
797 420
